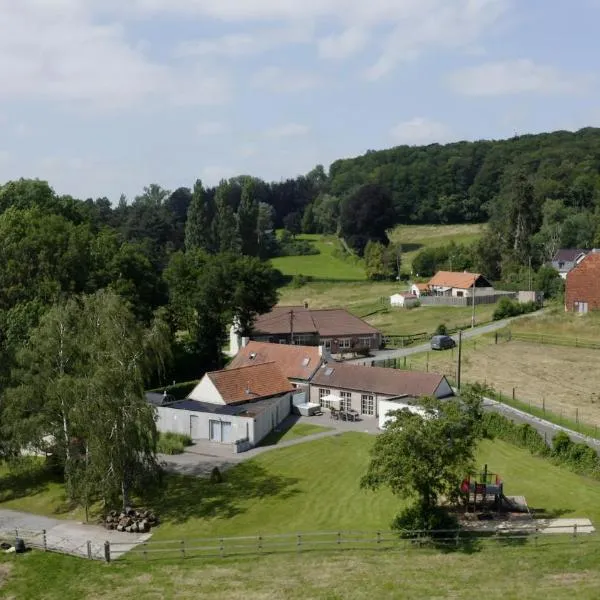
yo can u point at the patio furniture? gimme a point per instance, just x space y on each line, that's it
334 414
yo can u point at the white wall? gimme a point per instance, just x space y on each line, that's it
269 418
178 421
206 391
387 406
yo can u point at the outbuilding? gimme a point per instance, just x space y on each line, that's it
233 406
405 300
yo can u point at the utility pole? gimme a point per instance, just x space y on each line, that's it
458 365
530 273
473 307
291 326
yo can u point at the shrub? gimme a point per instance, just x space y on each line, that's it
172 443
363 351
300 280
441 329
414 518
215 475
507 307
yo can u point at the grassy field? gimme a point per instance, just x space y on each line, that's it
314 486
323 266
563 380
557 322
417 237
296 431
561 572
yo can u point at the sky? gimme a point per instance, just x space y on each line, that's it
103 97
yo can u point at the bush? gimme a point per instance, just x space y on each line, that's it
414 518
215 475
507 307
179 391
363 351
172 443
300 280
441 329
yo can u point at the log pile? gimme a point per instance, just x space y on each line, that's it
131 520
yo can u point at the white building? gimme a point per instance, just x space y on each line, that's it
459 285
234 406
404 300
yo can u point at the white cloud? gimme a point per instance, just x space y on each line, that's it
514 77
208 128
421 130
53 49
344 45
287 130
276 79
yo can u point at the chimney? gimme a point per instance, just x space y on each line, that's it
245 341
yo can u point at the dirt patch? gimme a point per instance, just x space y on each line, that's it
5 571
561 379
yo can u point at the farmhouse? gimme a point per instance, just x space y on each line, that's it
297 363
405 300
459 285
362 388
566 259
233 406
336 329
582 291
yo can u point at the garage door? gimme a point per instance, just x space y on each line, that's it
220 431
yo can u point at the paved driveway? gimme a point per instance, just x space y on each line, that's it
70 537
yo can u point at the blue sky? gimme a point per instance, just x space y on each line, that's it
102 97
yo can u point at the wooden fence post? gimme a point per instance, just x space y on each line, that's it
513 394
339 538
45 540
378 537
107 551
89 549
574 530
299 542
182 549
222 548
260 543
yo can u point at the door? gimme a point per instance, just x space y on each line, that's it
195 427
215 431
221 431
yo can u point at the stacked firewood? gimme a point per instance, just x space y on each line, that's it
131 520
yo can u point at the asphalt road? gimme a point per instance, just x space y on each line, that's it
466 334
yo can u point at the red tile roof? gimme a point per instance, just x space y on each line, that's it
295 362
327 322
453 279
377 380
246 384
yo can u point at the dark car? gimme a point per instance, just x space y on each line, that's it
441 342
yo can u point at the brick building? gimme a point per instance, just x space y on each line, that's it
582 292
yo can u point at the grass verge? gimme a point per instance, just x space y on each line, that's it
292 432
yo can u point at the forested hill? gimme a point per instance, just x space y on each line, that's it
459 182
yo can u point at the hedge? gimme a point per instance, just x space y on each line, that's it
180 390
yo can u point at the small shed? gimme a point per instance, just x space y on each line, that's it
404 300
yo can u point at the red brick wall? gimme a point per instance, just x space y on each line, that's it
583 283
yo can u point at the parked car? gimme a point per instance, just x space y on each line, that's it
441 342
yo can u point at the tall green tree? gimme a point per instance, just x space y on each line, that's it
225 229
198 232
247 220
427 455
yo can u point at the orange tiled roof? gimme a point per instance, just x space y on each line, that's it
295 362
246 384
453 279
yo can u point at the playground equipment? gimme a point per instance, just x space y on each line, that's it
488 491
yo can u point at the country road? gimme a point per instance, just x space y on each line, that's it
466 334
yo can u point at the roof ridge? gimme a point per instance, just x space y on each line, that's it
262 364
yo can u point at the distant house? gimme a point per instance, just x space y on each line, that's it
361 388
334 328
233 406
566 259
404 300
582 288
297 363
419 289
459 284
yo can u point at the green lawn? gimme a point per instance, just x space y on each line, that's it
417 237
557 322
560 572
296 431
311 487
324 266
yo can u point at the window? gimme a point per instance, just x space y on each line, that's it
282 341
322 393
365 342
346 343
460 294
367 404
346 402
328 344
